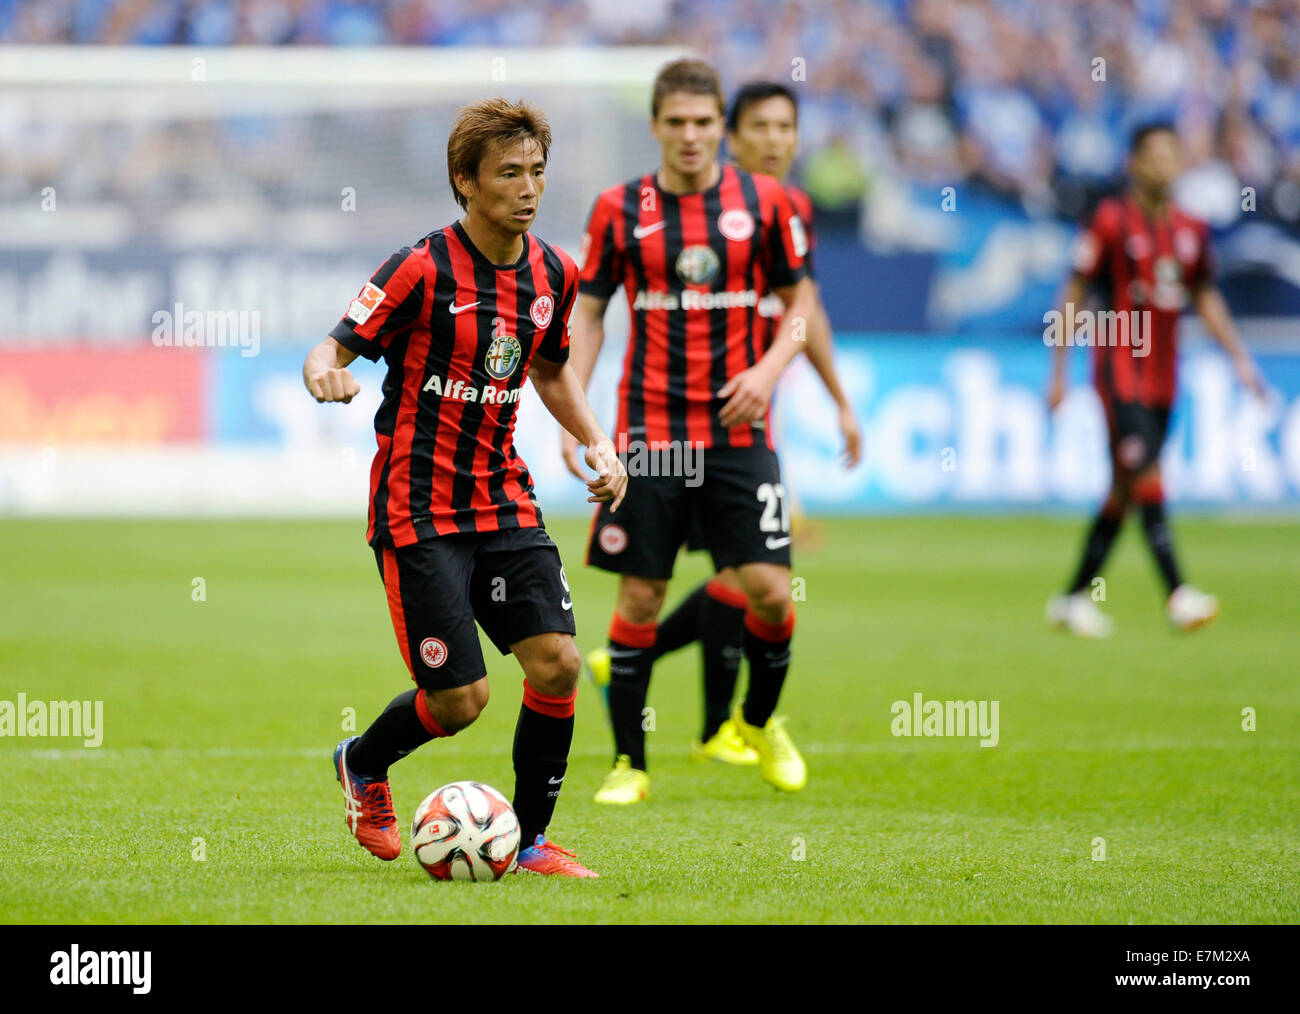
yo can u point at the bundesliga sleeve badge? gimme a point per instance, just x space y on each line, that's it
799 236
364 305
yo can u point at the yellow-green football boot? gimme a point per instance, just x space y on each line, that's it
778 760
727 746
624 785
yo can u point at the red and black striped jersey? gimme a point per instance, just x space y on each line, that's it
1142 264
770 306
457 333
694 268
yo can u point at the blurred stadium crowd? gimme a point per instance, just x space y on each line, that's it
1003 95
235 194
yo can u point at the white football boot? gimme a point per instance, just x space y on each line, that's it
1189 608
1079 615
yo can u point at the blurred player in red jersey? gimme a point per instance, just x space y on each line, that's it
460 318
1146 255
762 137
696 246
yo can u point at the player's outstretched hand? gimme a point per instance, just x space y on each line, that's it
569 448
1250 377
611 477
333 385
852 437
749 392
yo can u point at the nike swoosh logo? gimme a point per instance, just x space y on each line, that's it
777 543
461 309
642 231
555 781
566 604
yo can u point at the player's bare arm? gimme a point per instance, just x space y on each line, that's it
1213 311
750 391
1075 291
326 374
586 336
562 394
820 356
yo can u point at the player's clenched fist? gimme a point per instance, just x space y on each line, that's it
611 477
333 385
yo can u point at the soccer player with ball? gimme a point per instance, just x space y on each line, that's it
461 319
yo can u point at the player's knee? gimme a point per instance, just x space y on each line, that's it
569 663
640 601
769 601
555 673
728 578
1147 486
457 709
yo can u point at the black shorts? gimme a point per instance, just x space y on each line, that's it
744 516
1137 433
696 540
512 582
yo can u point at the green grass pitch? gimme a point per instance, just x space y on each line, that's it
220 716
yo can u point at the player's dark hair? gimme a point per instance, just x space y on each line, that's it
753 92
692 76
1145 130
486 124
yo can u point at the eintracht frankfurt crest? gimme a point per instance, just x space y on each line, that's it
541 310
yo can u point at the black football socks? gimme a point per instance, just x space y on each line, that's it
400 728
543 736
1161 542
631 655
767 646
1100 539
683 625
713 614
722 644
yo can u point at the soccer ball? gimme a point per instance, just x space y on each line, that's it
465 831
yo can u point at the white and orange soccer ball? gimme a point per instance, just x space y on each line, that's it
465 831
